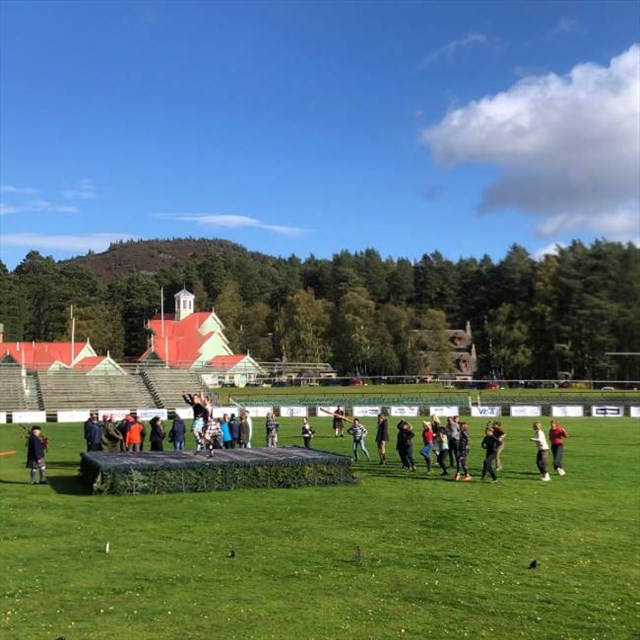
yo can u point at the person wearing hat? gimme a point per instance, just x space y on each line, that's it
35 456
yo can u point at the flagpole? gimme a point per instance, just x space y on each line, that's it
162 310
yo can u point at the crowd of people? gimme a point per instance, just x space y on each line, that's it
449 444
445 445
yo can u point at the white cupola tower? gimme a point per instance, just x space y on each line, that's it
184 304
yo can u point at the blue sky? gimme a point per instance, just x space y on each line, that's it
311 127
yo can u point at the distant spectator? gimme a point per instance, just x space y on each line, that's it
490 444
463 452
157 435
427 444
338 422
358 432
249 427
272 426
226 432
382 437
245 430
35 456
543 451
307 433
234 431
93 433
405 446
557 435
111 437
443 449
177 433
500 434
135 435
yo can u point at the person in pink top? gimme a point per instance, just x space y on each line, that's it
557 435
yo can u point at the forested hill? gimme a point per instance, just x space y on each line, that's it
363 313
147 257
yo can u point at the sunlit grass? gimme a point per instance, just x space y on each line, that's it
440 559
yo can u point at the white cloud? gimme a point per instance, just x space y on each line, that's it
449 50
10 188
84 190
565 25
568 148
76 243
233 222
36 206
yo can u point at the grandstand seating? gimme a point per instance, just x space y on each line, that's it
167 385
17 393
75 389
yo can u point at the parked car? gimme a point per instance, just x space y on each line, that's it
493 386
608 389
356 382
565 384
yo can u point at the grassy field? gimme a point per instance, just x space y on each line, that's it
440 558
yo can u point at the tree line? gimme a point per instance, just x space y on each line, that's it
532 319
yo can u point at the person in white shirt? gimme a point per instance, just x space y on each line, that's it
543 451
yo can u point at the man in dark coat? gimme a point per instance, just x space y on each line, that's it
35 456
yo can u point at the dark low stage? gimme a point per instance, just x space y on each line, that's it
187 471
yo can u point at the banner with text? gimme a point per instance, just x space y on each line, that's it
447 412
77 415
148 414
485 412
525 411
293 412
410 412
366 412
28 416
607 412
568 411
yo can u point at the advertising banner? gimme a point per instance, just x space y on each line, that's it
366 412
634 412
607 412
293 412
411 412
446 412
3 417
525 411
147 414
78 415
569 411
485 412
28 416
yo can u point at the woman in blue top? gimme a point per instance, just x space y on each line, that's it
226 432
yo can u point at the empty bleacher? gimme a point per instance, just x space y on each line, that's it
168 385
17 392
75 390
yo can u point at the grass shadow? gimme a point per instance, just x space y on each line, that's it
69 485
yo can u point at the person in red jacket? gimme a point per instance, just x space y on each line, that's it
557 434
135 435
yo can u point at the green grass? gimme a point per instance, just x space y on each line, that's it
440 559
